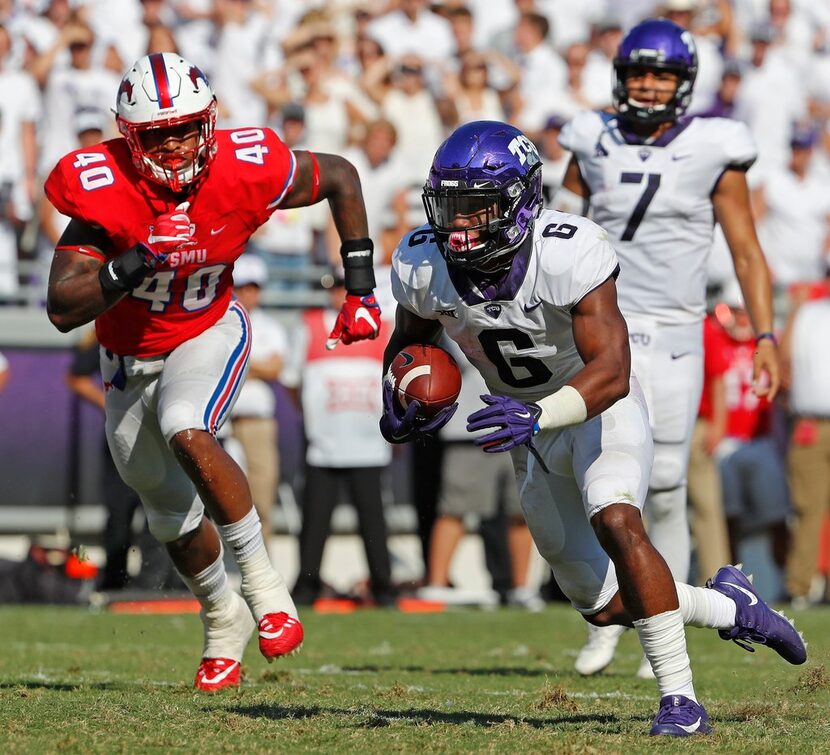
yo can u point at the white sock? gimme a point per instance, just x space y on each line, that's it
263 587
702 607
226 627
663 638
210 586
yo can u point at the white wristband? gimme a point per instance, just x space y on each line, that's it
565 407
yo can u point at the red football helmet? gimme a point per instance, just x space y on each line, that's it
159 97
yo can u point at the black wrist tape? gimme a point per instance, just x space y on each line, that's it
125 272
357 265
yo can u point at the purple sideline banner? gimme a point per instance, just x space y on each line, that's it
40 417
34 415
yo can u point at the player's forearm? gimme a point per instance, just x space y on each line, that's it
602 382
75 295
753 275
342 189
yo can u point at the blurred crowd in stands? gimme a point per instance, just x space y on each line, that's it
383 82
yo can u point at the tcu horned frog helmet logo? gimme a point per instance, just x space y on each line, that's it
164 91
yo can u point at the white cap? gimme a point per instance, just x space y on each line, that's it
680 5
90 119
250 269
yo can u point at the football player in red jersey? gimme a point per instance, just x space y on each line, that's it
158 219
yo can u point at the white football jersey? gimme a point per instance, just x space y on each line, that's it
655 201
519 338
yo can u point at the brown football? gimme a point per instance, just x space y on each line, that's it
427 374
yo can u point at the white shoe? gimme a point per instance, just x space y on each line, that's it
453 596
227 632
645 671
598 652
527 598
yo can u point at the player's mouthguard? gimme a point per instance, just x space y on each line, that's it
459 241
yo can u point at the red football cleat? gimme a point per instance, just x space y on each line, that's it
217 673
279 634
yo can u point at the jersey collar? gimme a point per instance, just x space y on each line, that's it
666 138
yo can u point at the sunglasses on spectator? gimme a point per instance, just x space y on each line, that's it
77 46
411 70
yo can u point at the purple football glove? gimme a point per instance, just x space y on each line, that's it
515 424
398 426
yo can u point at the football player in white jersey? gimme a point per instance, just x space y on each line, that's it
657 183
530 297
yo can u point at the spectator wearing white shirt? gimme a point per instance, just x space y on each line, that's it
243 49
286 239
340 395
128 26
19 113
89 126
471 93
805 351
410 106
709 59
413 29
599 67
555 158
81 85
382 175
20 110
795 31
793 208
253 417
771 98
544 75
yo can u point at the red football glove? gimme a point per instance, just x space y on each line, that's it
170 232
359 318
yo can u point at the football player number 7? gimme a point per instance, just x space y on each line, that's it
652 184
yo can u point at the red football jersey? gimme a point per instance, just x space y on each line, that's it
714 365
249 176
748 416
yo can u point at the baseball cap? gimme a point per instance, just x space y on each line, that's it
293 111
762 32
680 5
732 67
554 122
250 269
89 119
608 23
803 137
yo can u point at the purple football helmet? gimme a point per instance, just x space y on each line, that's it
483 193
660 44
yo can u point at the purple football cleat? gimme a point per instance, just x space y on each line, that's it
680 717
755 621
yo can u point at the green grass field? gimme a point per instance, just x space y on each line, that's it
383 681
